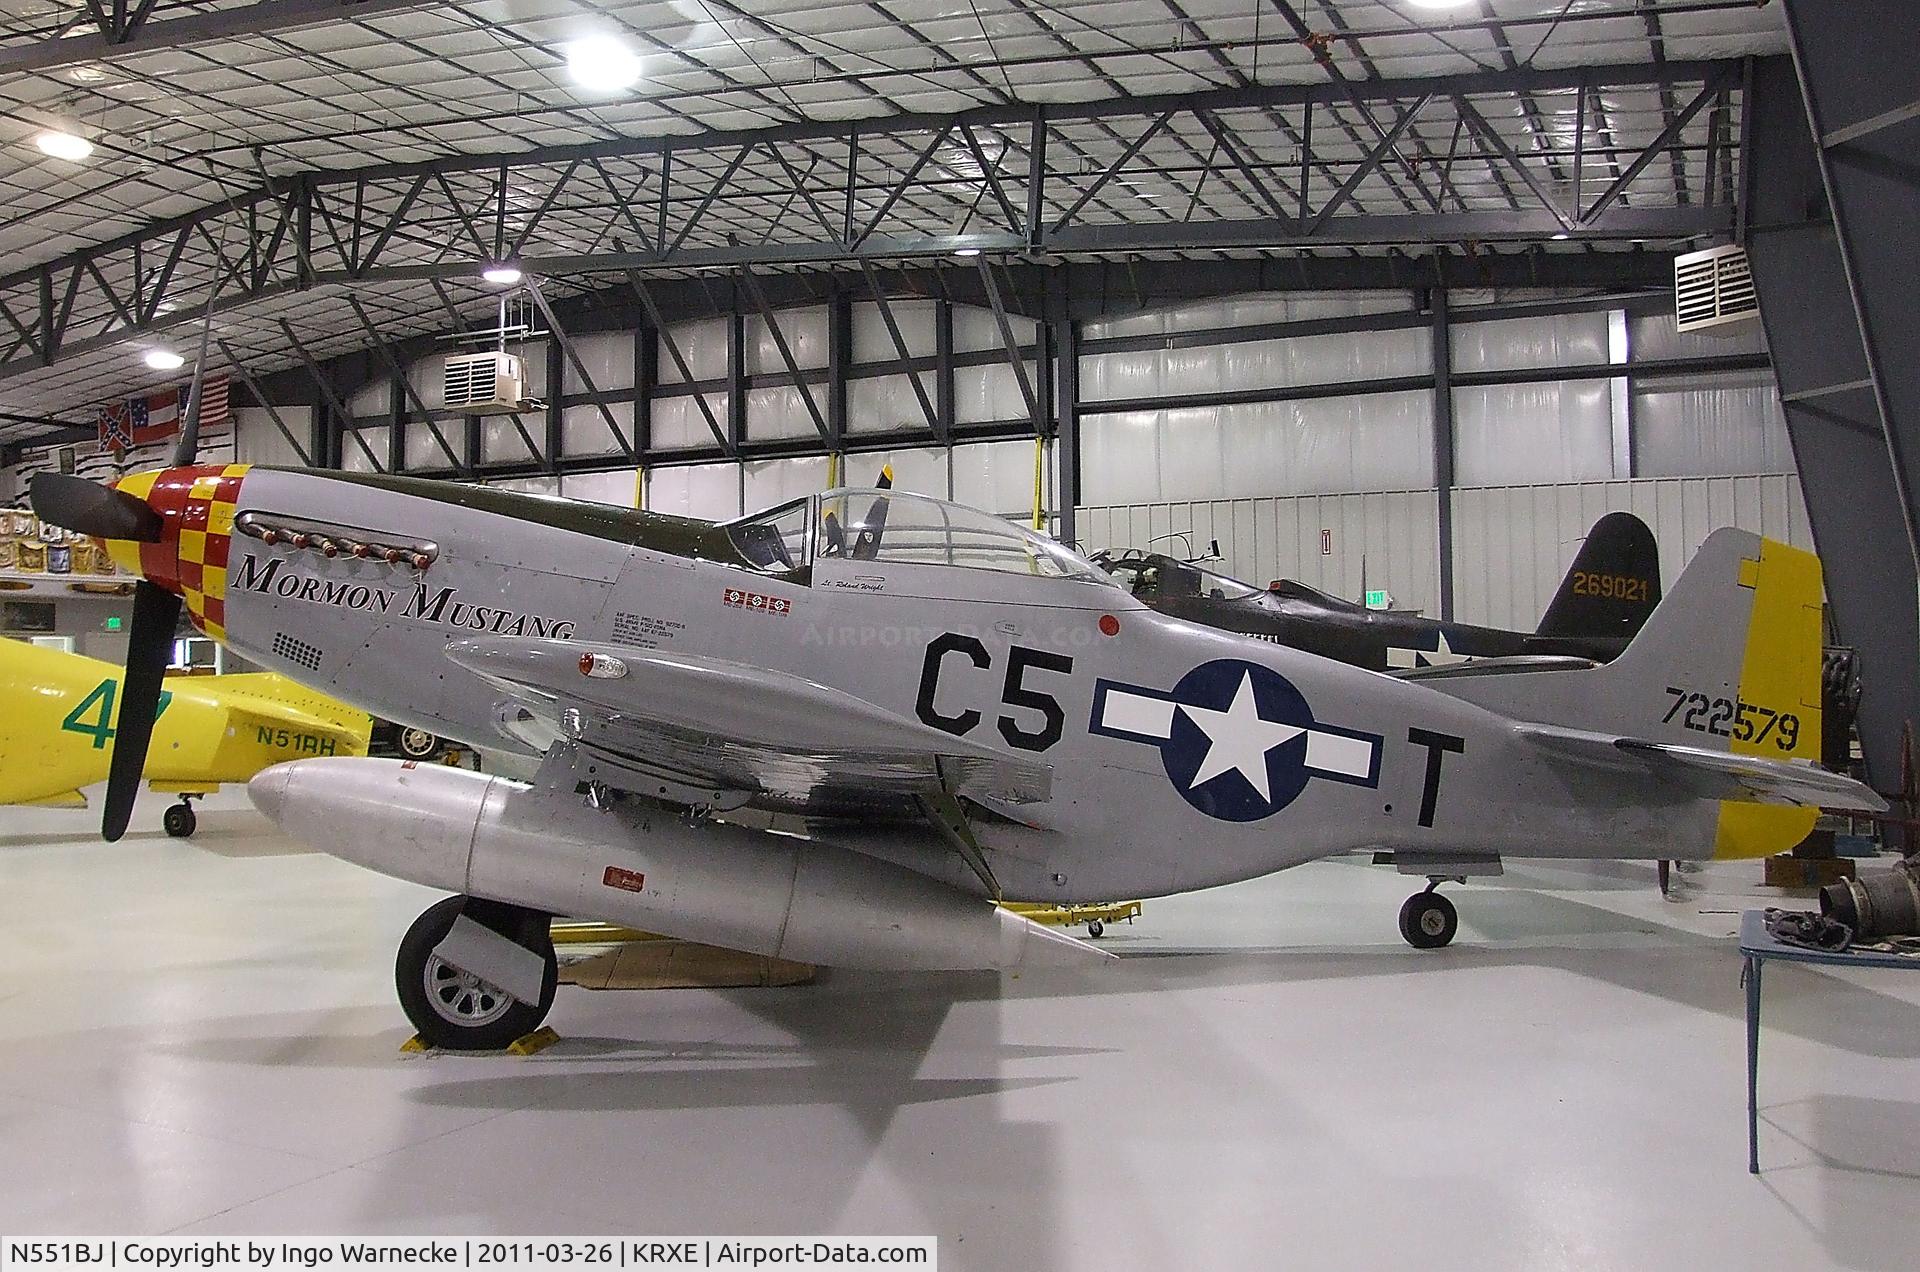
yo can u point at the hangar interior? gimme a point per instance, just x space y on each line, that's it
1375 295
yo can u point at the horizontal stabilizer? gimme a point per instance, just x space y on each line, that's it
1711 774
1494 667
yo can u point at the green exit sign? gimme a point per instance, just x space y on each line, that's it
114 623
1376 600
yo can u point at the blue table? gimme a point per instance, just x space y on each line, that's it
1756 947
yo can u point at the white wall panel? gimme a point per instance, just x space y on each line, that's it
423 452
619 487
1659 336
707 491
986 394
1389 536
886 403
998 477
704 345
806 333
375 398
1709 425
500 441
925 470
608 357
871 341
1512 544
528 485
1241 311
775 481
257 441
1556 431
584 431
1255 364
1560 340
976 329
677 421
1326 445
781 412
354 459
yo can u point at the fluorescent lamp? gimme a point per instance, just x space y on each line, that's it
966 251
63 145
602 64
164 360
501 275
1438 4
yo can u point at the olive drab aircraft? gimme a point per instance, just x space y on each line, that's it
1604 599
57 713
834 730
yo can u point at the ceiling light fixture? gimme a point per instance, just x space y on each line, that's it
502 275
1438 4
63 145
966 251
601 64
1561 235
164 360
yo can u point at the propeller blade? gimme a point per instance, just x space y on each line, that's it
866 545
87 507
156 612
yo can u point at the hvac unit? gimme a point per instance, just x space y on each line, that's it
1713 288
484 384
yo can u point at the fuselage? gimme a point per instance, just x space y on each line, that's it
1182 756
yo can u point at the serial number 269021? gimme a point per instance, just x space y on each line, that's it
1733 718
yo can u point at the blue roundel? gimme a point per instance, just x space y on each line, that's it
1236 733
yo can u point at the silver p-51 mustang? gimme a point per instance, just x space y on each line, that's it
833 730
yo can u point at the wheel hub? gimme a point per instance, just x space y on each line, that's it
463 998
1432 922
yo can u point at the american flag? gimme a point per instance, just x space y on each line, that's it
213 406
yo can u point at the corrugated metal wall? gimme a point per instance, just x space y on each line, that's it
1391 535
1512 544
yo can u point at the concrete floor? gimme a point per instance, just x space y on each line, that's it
203 1038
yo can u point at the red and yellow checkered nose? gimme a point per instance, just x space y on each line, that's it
196 506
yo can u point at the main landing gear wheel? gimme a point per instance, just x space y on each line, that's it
459 1011
179 820
1428 920
418 744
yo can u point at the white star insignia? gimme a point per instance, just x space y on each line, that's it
1238 739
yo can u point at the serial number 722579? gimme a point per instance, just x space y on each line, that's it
1733 718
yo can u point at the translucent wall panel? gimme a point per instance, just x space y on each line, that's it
998 476
584 431
1561 340
975 329
1259 364
988 394
774 481
1709 425
1560 430
886 403
424 453
1342 544
374 399
708 491
257 441
1378 441
608 357
703 344
1240 311
677 421
619 487
872 343
501 443
782 412
355 460
1513 544
806 333
924 470
1658 336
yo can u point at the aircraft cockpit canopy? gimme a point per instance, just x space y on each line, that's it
904 528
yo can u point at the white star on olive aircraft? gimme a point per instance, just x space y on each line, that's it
834 730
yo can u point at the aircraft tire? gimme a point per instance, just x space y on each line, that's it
458 1012
1096 929
1428 921
179 821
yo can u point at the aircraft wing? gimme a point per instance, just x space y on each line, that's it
1712 774
659 720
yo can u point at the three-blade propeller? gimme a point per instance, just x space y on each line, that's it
87 507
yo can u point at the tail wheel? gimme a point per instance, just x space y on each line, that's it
1428 920
418 744
457 1010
